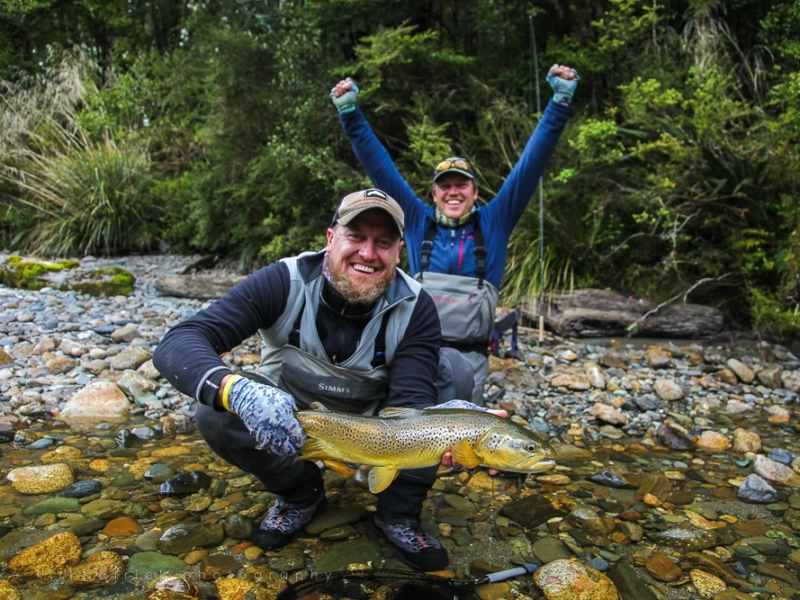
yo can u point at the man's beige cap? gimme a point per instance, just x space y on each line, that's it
354 204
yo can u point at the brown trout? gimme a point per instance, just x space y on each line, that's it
408 438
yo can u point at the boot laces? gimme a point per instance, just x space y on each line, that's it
416 536
281 518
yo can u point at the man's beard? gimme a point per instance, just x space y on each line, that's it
350 292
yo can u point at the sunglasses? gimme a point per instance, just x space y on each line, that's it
453 163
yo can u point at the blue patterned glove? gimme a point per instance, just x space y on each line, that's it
563 88
347 101
268 413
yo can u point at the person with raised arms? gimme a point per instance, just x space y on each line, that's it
456 248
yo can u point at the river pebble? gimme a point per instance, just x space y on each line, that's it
41 479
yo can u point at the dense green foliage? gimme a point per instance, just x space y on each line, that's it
208 126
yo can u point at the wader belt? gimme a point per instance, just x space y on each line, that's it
479 347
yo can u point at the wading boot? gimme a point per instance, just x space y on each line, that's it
417 548
283 521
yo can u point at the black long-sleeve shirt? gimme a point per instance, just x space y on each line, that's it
192 348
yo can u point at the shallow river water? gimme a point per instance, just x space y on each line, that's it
676 473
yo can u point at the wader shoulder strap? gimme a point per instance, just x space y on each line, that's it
480 251
380 342
294 334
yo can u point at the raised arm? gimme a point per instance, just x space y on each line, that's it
512 199
371 153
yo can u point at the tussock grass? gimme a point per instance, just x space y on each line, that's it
81 196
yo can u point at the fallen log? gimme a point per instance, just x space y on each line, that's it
200 287
600 313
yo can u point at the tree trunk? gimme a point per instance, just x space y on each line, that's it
598 313
201 287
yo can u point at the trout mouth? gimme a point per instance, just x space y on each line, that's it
542 465
529 466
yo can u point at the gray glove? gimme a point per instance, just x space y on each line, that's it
268 413
458 404
347 101
563 88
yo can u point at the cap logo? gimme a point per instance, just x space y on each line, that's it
374 194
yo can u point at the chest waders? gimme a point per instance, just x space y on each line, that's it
466 305
306 372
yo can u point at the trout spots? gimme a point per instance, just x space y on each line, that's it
411 439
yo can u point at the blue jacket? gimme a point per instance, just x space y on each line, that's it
454 249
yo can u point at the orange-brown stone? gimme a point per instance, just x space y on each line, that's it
661 567
240 547
122 527
101 568
101 465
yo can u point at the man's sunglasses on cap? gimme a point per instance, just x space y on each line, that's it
453 163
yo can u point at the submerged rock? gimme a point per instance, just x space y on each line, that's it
686 539
81 489
610 478
41 479
102 568
532 511
184 537
47 559
143 563
571 580
185 483
755 489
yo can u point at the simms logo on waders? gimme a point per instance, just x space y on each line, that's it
333 389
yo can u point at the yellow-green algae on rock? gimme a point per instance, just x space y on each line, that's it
8 591
47 559
41 479
106 281
34 274
24 273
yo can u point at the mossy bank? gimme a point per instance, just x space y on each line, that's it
31 273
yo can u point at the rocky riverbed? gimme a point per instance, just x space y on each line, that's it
677 470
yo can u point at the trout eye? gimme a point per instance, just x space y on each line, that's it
531 447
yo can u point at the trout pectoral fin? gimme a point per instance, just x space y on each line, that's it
312 449
464 454
381 477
